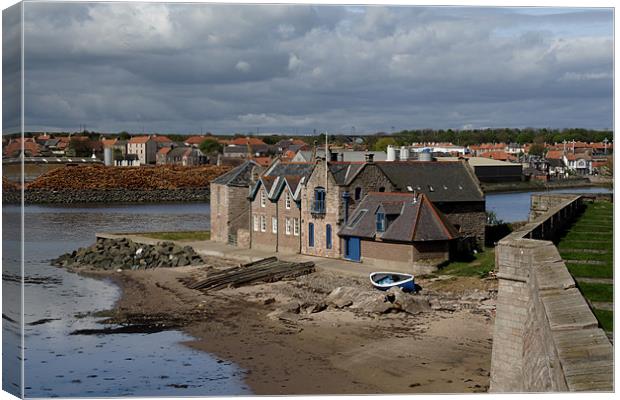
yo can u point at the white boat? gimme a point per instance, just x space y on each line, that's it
386 280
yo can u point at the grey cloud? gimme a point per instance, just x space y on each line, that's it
183 67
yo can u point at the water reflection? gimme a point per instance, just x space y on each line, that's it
56 301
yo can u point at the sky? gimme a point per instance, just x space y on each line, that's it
192 68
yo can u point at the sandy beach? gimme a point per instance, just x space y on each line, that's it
335 351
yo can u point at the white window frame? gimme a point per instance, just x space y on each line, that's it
287 226
296 226
255 223
287 201
263 223
274 225
263 198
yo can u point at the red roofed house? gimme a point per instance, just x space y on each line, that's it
247 140
160 158
15 147
498 155
145 147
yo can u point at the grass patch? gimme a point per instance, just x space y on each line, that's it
567 245
187 235
597 291
605 318
603 237
573 255
479 265
591 271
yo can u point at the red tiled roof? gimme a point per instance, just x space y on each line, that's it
497 155
14 147
139 139
108 142
262 161
554 154
162 139
164 150
247 140
197 140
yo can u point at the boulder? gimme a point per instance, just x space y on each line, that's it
341 297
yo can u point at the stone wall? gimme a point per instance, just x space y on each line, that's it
470 219
263 240
45 196
546 337
229 211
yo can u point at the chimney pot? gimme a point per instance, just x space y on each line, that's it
370 157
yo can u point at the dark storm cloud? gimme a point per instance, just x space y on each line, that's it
184 67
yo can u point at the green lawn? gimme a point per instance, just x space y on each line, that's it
606 319
479 265
581 244
187 235
576 255
591 271
592 231
597 291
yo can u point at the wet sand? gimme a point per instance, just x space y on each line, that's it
336 351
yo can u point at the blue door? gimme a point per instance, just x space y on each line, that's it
311 234
352 249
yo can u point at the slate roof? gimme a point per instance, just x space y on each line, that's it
407 221
281 174
344 172
445 181
240 176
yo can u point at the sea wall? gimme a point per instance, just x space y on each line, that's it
546 337
45 196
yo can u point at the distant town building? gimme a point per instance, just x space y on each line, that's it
144 147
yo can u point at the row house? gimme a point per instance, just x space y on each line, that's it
314 208
275 211
185 156
145 147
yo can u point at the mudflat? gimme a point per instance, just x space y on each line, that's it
333 351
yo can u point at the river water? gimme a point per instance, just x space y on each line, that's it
512 207
156 364
57 364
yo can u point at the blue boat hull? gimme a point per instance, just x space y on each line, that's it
387 280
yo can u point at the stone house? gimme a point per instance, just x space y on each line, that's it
181 155
453 188
398 231
145 147
230 208
334 188
275 211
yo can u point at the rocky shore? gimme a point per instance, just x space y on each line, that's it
105 196
121 254
320 333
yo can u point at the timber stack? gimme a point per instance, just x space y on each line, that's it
266 270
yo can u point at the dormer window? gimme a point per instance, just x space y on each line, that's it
380 222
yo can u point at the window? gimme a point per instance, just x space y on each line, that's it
358 193
296 226
274 225
263 223
380 222
287 201
318 206
263 198
328 236
311 234
287 225
255 223
382 189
